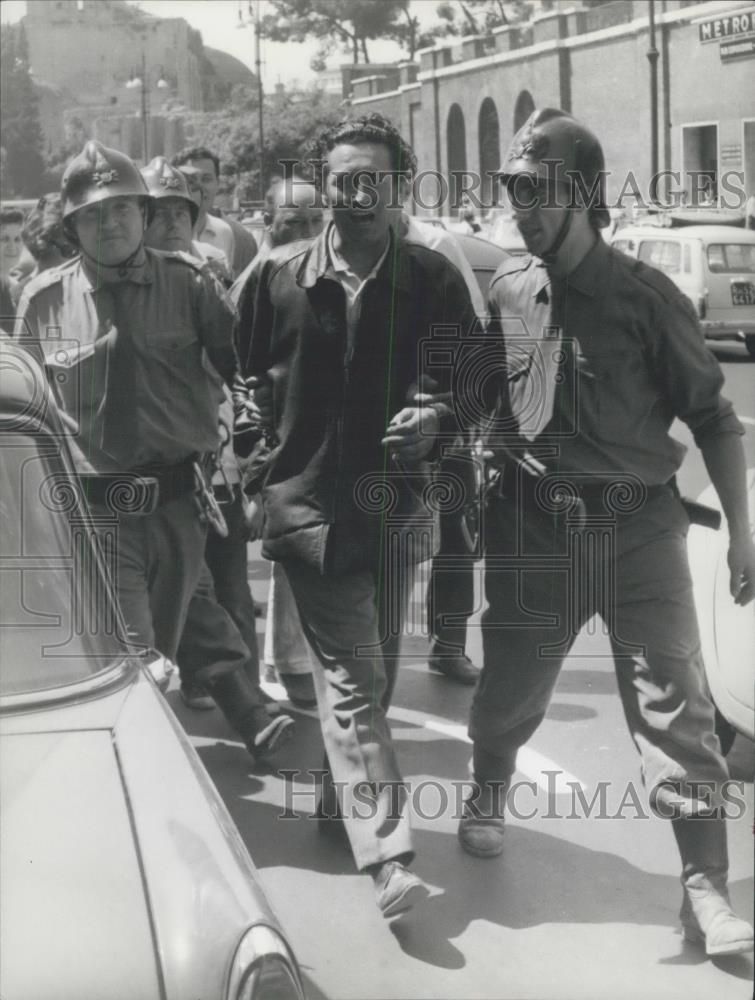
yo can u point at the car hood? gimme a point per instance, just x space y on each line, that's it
120 863
75 920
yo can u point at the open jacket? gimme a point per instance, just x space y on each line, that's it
330 487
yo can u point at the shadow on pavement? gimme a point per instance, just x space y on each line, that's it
541 879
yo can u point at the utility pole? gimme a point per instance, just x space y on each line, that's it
254 18
145 111
652 55
260 94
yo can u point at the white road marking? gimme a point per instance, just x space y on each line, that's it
747 420
532 765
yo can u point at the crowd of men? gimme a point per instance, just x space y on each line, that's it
350 370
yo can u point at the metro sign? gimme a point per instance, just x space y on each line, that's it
728 27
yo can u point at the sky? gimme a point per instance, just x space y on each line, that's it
218 21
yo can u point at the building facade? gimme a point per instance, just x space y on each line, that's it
462 104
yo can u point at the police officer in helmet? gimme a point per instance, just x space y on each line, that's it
123 332
602 354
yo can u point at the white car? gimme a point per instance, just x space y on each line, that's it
122 875
727 631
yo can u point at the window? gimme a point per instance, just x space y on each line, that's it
727 258
626 246
663 254
687 259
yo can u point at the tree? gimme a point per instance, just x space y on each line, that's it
21 137
479 17
348 23
292 122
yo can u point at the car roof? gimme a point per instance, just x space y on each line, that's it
480 252
25 398
708 234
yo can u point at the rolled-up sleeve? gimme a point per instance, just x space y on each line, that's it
692 375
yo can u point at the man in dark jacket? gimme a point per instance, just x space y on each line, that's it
337 333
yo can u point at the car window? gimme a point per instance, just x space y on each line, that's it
666 255
626 246
726 258
57 622
687 259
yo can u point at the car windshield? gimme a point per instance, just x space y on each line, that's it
57 620
728 258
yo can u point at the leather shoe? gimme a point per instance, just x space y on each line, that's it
397 889
708 919
456 668
481 827
196 696
263 737
300 689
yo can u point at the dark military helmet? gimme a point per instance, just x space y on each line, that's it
165 181
553 146
98 173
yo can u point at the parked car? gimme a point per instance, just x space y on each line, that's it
503 231
484 258
713 265
727 631
123 874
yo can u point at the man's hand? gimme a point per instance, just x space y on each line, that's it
259 403
253 517
411 433
741 558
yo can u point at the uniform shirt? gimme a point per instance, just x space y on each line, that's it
639 361
175 312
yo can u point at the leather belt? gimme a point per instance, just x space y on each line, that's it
150 486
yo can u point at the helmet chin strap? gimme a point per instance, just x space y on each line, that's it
124 265
550 255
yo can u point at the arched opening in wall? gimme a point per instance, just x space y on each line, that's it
523 108
490 149
456 139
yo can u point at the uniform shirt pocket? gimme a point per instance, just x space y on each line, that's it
614 392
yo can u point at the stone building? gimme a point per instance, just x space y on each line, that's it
84 53
463 103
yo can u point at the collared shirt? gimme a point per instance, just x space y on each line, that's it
639 362
176 312
353 285
218 234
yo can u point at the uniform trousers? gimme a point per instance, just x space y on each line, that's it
450 592
227 561
158 562
545 576
353 624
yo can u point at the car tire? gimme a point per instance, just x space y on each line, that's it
750 344
725 732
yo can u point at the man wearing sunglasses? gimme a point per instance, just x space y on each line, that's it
602 353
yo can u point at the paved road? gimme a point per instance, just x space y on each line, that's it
576 907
